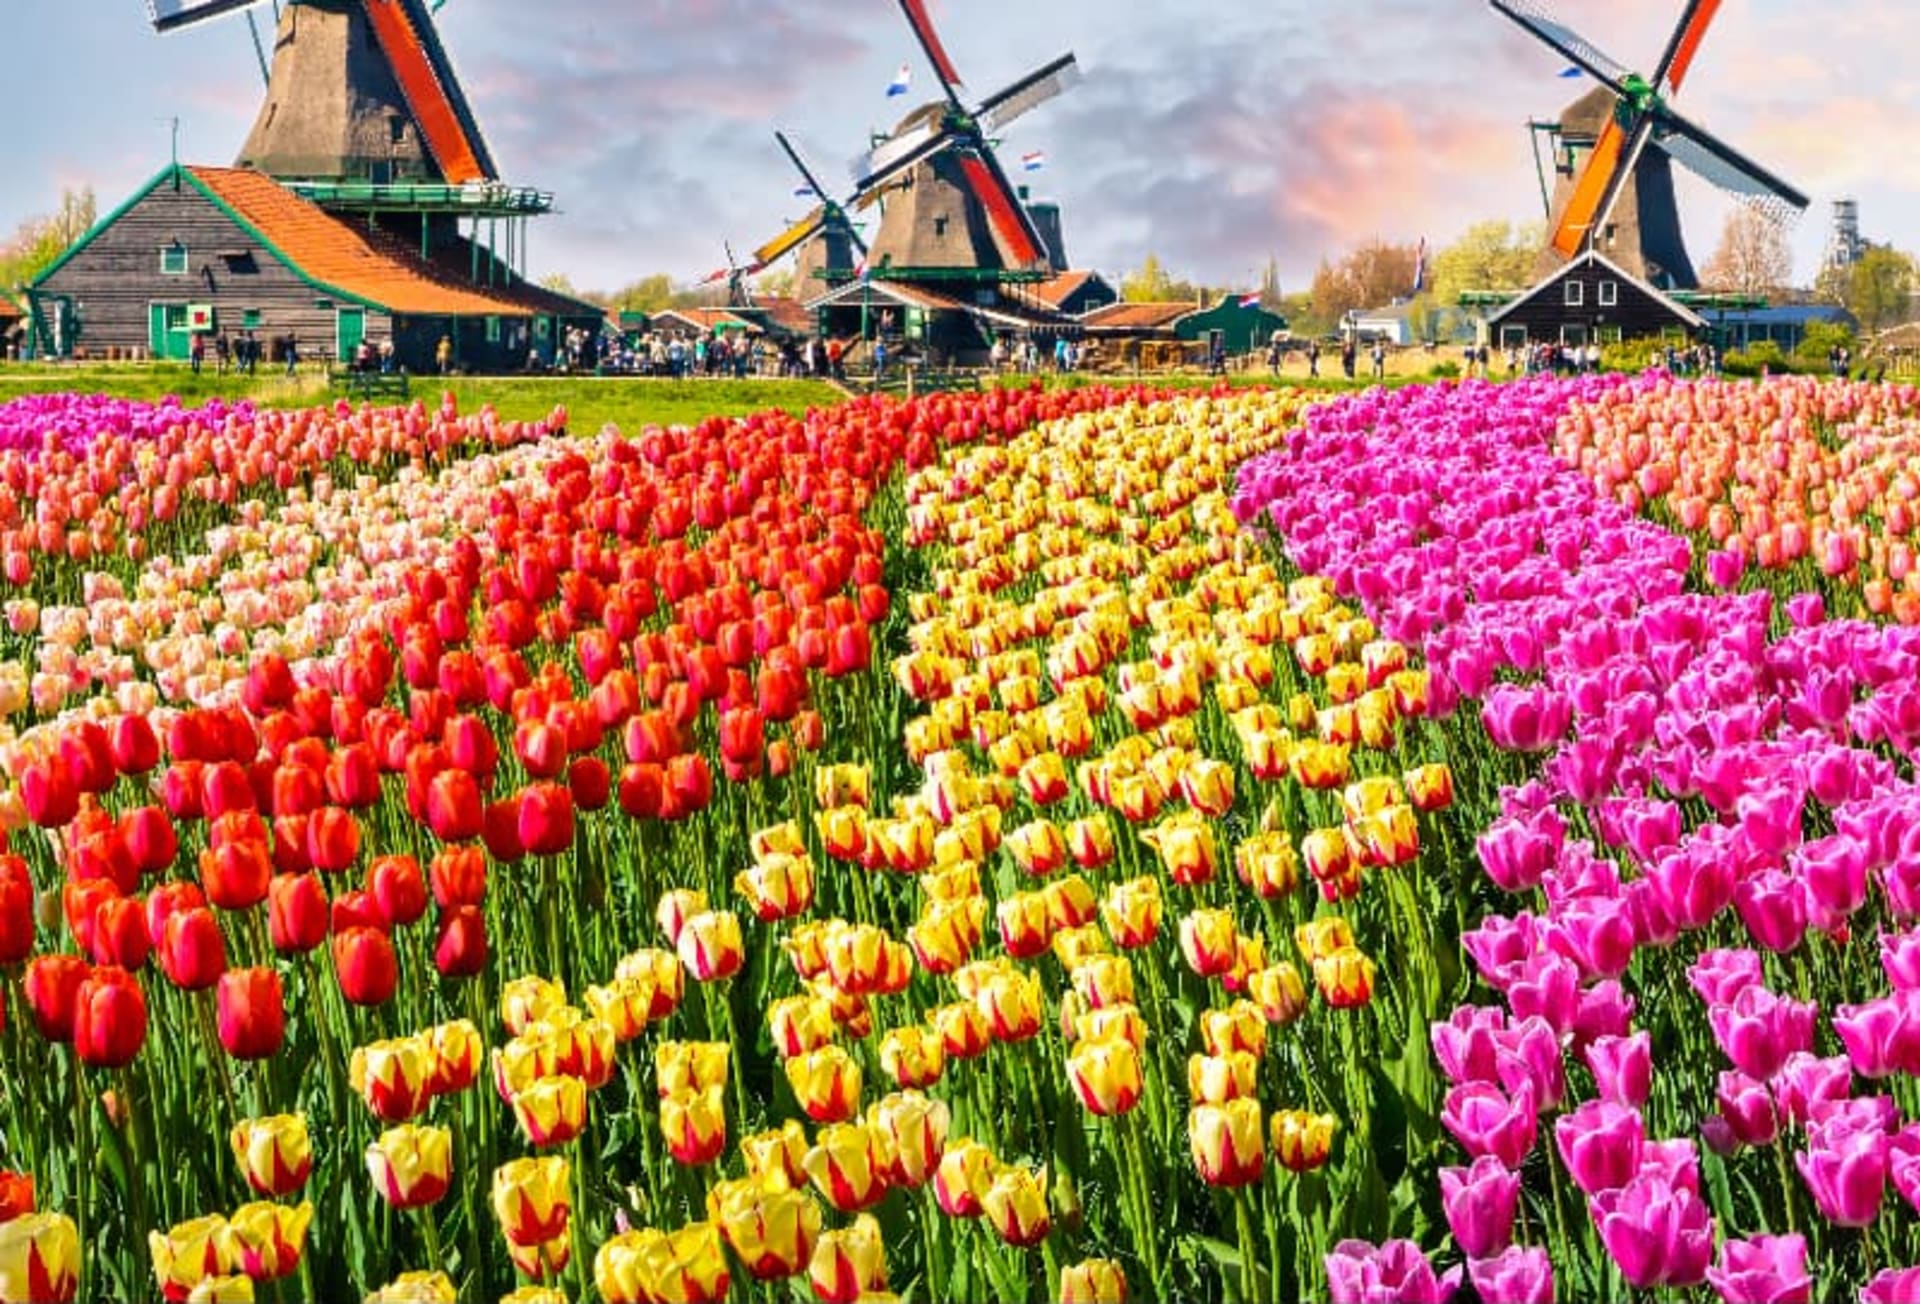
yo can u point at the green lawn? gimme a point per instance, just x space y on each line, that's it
591 403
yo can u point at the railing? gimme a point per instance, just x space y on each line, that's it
486 198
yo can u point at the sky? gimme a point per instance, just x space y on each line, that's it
1215 136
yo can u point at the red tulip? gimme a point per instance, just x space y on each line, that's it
252 1013
102 854
296 790
809 731
290 844
120 936
453 806
851 650
180 790
49 794
88 757
398 889
168 899
224 787
333 839
269 684
366 965
353 777
591 783
546 819
542 749
236 874
52 986
743 743
643 789
109 1018
461 950
193 953
501 831
470 745
16 911
135 747
80 900
147 832
459 877
297 914
689 786
356 908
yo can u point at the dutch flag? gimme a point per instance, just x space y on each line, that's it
805 192
1250 300
1033 162
901 83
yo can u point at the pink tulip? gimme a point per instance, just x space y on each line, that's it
1882 1036
1486 1121
1773 906
1892 1286
1600 1143
1517 853
1903 1163
1360 1273
1479 1202
1516 1276
1845 1168
1605 1010
1747 1108
1596 934
1529 1052
1525 719
1659 1234
1501 946
1807 1086
1758 1030
1547 986
1622 1068
1718 975
1464 1046
1900 958
1763 1270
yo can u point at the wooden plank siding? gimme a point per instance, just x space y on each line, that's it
1611 306
116 279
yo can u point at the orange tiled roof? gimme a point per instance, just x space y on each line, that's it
1138 316
344 257
1056 290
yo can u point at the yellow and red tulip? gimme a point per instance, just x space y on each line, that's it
913 1056
1015 1204
1344 977
275 1154
648 1265
1105 1075
826 1082
551 1110
1301 1138
1093 1281
913 1128
1132 912
694 1124
531 1200
771 1226
847 1164
778 1154
40 1259
265 1240
848 1262
187 1254
1228 1148
1209 941
411 1165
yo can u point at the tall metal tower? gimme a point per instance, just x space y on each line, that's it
1844 245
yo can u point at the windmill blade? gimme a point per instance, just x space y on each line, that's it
1019 240
1575 48
172 15
792 238
1597 181
800 165
1029 93
1718 163
922 24
1687 37
897 156
1636 140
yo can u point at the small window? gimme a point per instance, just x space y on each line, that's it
177 317
1609 293
1609 334
397 129
250 319
240 264
173 260
1576 293
939 226
493 330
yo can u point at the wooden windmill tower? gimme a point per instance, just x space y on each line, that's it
948 211
1618 143
364 115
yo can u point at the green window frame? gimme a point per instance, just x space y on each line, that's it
173 259
177 318
493 330
250 319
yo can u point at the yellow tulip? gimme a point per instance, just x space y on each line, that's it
842 785
694 1124
624 1005
912 1130
1266 864
1320 765
525 1000
1322 937
913 1056
1228 1148
232 1289
826 1082
641 1267
1105 1075
411 1166
963 1029
265 1240
769 1225
1015 1203
188 1253
417 1288
40 1258
1345 977
1093 1281
777 1154
1208 940
1302 1139
1132 912
552 1110
847 1165
531 1199
778 887
683 1066
1216 1079
848 1262
275 1154
1279 992
534 1294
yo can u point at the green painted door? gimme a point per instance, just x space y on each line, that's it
351 328
167 335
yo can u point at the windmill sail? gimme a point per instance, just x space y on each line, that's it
1536 18
406 35
1011 226
792 238
922 24
1030 93
1678 56
170 15
897 155
1716 162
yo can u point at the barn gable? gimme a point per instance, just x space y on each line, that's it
1592 300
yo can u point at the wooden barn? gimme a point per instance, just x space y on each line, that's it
1244 327
1592 300
232 252
1074 293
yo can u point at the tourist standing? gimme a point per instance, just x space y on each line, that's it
443 355
1379 359
293 355
197 351
1313 359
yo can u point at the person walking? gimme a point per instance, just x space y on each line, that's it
197 351
1313 359
1349 356
443 355
1379 360
293 355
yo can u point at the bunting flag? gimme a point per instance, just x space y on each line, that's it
1033 162
805 192
901 83
718 274
1571 71
1420 267
1250 300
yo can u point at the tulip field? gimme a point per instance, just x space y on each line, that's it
1459 842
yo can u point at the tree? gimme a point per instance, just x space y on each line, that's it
1752 257
1374 274
648 294
1879 290
1490 255
39 241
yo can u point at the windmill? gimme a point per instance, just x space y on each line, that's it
825 237
735 274
955 211
1615 189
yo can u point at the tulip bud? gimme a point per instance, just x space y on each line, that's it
274 1154
531 1199
412 1165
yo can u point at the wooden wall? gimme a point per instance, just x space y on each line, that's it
1636 314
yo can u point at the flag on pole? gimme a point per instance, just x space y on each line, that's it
805 192
1420 267
1571 71
1033 162
901 83
718 274
1250 300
